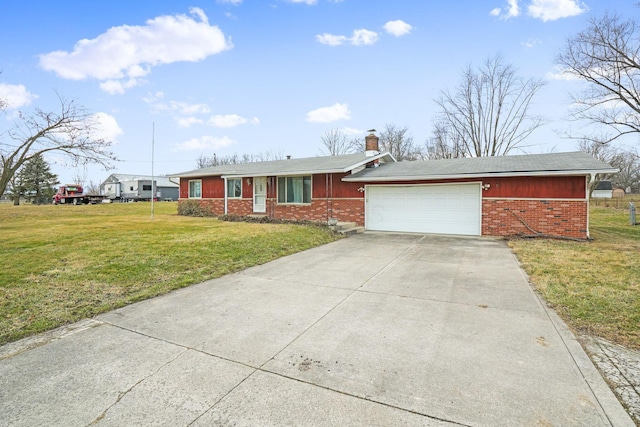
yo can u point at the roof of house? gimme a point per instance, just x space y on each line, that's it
308 165
161 181
575 163
604 185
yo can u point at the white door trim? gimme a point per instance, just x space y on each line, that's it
260 194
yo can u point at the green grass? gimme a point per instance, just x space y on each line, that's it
594 286
65 263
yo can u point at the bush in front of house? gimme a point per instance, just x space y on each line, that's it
194 208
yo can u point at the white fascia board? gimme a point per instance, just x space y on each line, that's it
273 173
478 175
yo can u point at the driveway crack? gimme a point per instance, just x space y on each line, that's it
124 393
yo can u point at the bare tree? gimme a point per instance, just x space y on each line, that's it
488 113
235 158
629 176
397 141
601 151
443 144
626 161
92 187
335 143
606 55
69 132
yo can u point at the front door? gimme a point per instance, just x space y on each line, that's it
260 194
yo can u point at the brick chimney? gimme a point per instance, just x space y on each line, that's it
371 144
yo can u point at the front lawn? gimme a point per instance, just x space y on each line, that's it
65 263
594 286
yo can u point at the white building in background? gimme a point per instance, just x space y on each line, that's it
126 187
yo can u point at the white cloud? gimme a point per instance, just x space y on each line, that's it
397 28
511 11
185 122
309 2
16 96
358 38
550 10
182 112
204 143
329 114
352 131
330 39
187 108
232 2
558 73
230 120
122 56
107 127
363 37
530 43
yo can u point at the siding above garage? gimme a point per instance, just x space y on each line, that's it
536 187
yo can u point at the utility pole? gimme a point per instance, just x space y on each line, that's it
153 187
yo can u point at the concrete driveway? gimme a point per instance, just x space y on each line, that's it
373 330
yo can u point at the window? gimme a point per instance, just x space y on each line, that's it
131 188
234 188
195 189
294 189
146 187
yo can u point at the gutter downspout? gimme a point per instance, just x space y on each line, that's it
225 195
589 180
326 194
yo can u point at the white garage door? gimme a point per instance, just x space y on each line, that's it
441 209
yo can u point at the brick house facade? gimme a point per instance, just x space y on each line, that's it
516 195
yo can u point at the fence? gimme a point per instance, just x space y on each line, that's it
617 202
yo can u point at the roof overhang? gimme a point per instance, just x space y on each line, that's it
312 171
591 173
276 172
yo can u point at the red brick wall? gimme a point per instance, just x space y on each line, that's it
240 207
351 210
555 217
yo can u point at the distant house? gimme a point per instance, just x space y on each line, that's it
604 190
138 187
487 196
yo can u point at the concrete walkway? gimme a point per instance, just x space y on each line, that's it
373 330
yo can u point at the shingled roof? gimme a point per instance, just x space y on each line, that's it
574 163
308 165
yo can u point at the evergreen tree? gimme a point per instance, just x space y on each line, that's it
36 181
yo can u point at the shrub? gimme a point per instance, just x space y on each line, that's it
193 208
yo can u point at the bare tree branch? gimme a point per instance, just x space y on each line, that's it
606 56
397 141
627 161
335 143
488 114
70 131
235 158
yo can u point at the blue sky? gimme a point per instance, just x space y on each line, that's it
243 76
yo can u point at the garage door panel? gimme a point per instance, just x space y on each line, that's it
443 209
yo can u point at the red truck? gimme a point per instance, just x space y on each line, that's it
74 194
